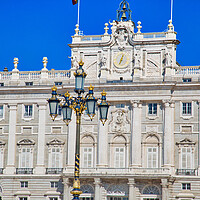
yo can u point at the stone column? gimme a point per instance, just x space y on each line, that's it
71 141
102 156
40 168
132 191
66 184
168 134
97 182
165 190
10 168
136 134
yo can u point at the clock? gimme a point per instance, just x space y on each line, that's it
121 59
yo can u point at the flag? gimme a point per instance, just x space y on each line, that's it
74 2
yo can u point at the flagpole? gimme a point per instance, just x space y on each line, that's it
171 8
78 20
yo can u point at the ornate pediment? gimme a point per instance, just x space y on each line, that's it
26 142
55 141
186 141
119 122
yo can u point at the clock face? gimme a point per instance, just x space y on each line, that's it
121 60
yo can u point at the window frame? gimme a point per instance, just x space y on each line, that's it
28 155
149 115
3 112
186 185
85 164
24 184
187 154
118 154
152 156
186 116
59 154
28 117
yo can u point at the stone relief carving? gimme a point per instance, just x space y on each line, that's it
153 64
168 59
151 129
74 62
119 121
87 129
121 38
137 59
103 61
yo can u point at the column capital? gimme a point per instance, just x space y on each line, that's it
164 183
12 106
166 103
97 181
131 181
136 103
42 105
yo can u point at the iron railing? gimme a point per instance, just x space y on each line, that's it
54 170
186 172
24 170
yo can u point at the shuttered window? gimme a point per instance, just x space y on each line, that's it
87 157
55 158
186 158
152 157
26 158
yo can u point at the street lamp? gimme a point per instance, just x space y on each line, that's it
78 104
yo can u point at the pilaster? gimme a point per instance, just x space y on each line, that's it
168 134
40 168
136 134
102 156
66 184
132 191
97 182
165 190
10 168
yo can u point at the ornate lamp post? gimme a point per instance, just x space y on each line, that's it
78 104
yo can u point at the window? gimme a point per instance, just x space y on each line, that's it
1 111
24 184
186 108
54 184
186 129
186 80
28 111
87 157
152 109
1 84
58 83
186 158
28 83
120 105
53 198
25 158
186 186
119 157
152 157
23 198
55 157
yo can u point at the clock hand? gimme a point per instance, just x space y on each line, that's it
121 59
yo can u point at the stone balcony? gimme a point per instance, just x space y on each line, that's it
54 170
121 172
24 170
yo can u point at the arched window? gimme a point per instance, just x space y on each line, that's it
151 192
152 152
117 192
88 192
87 152
119 152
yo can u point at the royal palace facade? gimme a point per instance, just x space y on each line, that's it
147 150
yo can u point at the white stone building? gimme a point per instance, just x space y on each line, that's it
148 148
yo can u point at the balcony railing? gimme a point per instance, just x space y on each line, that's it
24 171
186 172
54 170
1 170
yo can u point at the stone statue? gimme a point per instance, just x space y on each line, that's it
74 62
168 59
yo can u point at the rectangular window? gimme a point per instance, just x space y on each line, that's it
120 105
1 84
24 184
186 129
187 108
186 186
186 158
58 83
1 111
28 110
152 157
152 108
55 157
26 156
87 157
29 83
119 161
186 80
23 198
54 184
53 198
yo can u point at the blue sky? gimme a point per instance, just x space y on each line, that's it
33 29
